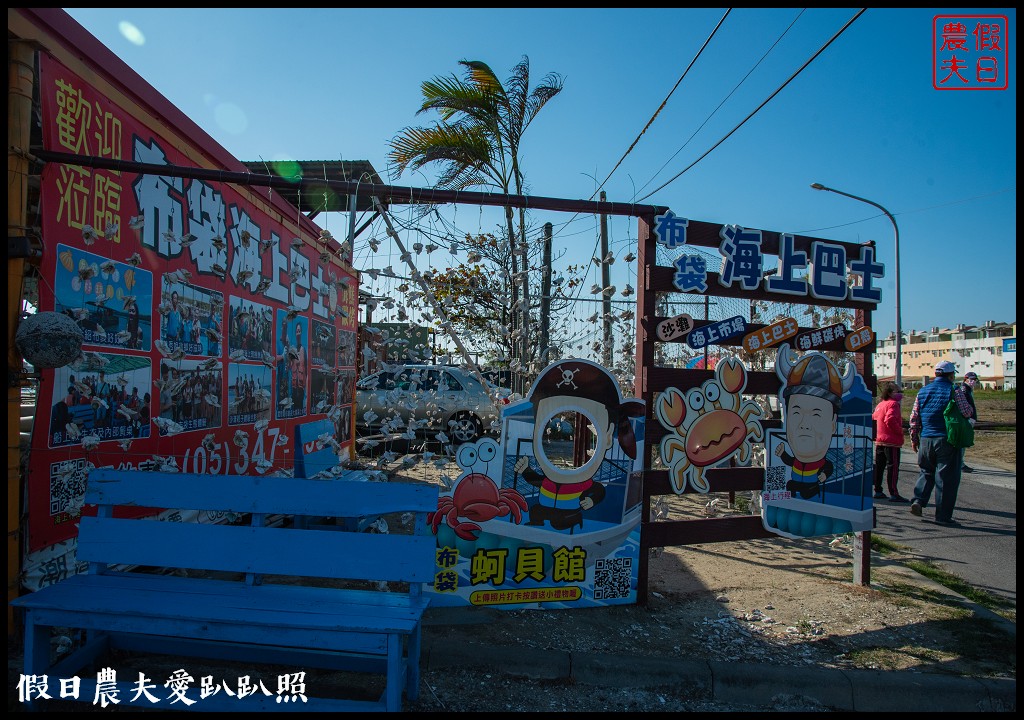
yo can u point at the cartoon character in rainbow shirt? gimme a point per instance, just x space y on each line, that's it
582 387
813 397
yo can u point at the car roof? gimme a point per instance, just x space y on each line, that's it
421 366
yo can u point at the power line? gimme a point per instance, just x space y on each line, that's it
907 212
649 122
663 102
758 108
726 98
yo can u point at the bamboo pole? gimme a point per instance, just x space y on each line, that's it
21 76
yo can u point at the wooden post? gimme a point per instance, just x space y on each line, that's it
21 77
647 257
862 558
864 362
606 302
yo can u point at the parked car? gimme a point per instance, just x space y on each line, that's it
433 398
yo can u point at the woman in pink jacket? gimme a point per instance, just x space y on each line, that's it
888 440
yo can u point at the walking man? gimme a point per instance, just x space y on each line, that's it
939 461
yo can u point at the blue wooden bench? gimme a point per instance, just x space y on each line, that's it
351 627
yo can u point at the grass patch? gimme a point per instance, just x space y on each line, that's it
981 641
886 547
903 592
959 585
887 658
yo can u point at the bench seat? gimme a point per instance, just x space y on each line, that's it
303 598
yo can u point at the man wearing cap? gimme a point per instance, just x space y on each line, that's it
970 380
939 461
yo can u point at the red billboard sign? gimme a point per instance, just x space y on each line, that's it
214 325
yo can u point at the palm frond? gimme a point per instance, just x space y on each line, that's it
480 74
518 89
551 86
414 147
455 177
450 96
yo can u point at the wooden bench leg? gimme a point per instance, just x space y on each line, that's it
412 686
393 690
37 647
37 653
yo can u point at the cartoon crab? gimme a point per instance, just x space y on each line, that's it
476 497
710 423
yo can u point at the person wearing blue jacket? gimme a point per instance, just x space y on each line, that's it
940 462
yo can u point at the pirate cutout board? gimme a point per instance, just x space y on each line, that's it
819 464
530 523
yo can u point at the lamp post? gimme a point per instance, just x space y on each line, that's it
899 329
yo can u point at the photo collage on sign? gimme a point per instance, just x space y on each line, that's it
346 348
111 301
249 395
190 394
102 396
323 380
190 325
250 330
202 323
250 380
190 318
292 365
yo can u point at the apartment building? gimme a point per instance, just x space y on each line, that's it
1010 362
982 349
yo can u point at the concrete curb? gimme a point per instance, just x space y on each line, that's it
737 683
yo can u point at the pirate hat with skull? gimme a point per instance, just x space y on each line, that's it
583 379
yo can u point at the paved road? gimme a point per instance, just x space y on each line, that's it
984 551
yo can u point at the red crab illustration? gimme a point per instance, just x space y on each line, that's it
476 498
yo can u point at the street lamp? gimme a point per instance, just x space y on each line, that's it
899 329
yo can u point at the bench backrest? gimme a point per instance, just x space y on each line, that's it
252 548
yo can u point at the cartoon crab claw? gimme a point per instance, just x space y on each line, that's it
672 407
700 483
445 508
467 530
678 478
732 375
517 501
670 447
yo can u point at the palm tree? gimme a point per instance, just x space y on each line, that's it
477 142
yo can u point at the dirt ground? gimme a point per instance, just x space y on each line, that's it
772 601
778 601
783 601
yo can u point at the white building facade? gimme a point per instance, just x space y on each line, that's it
980 349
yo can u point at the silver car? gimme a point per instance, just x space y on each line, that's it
419 401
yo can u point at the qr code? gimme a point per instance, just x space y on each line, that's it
612 578
67 486
775 478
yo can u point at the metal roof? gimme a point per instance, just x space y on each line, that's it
313 202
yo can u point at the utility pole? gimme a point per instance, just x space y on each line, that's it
545 296
605 282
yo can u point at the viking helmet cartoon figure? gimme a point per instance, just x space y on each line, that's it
812 397
813 374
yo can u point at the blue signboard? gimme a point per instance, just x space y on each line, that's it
312 454
716 332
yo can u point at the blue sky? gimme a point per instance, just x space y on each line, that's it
863 118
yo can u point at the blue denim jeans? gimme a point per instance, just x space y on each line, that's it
940 464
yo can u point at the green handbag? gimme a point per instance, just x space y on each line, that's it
959 431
